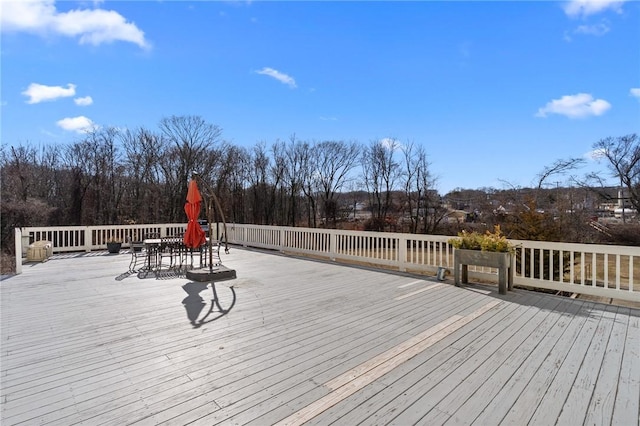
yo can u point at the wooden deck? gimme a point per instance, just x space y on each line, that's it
305 342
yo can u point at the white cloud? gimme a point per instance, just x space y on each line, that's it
596 29
79 124
39 92
595 155
635 92
575 106
583 8
281 77
92 26
391 144
87 100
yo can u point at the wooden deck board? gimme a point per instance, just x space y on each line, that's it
627 403
524 359
406 377
484 381
450 378
82 342
576 402
522 389
600 410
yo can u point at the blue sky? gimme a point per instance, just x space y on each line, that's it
495 91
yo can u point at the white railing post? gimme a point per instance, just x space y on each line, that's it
243 233
402 253
631 258
87 239
282 240
333 243
18 248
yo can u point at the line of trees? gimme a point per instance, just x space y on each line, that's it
113 176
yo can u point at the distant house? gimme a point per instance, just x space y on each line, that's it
357 211
456 216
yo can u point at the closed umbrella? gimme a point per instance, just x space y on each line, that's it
194 237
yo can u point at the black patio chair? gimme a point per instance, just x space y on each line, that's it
138 256
143 255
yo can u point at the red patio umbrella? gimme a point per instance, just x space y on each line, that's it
194 236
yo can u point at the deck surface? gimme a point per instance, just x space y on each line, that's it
305 342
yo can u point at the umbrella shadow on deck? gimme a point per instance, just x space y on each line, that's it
195 304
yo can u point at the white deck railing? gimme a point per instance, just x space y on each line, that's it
598 270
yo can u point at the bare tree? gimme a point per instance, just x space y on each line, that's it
334 161
415 165
18 171
262 192
96 183
296 160
559 167
380 172
278 175
143 150
108 180
309 183
421 200
231 180
25 190
623 156
193 142
228 171
50 187
80 161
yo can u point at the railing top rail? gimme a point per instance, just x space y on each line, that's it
579 247
79 227
402 250
586 247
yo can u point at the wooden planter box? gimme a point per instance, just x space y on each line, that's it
502 261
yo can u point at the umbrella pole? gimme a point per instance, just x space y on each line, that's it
221 273
210 242
224 222
211 202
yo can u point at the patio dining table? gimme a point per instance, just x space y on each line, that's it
151 246
155 247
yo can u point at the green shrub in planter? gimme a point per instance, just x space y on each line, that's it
489 241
